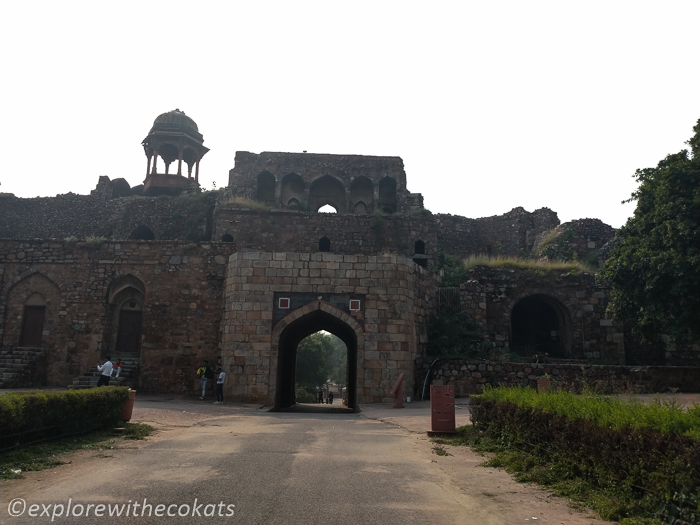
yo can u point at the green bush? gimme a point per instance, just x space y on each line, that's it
26 416
643 455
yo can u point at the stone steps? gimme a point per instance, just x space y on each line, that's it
18 366
130 366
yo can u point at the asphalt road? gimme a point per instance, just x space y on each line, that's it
281 468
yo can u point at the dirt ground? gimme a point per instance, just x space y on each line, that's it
497 497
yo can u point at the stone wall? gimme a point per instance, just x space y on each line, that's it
311 179
395 298
509 234
289 230
580 304
471 377
187 217
183 285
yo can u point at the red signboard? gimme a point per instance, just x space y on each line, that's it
442 409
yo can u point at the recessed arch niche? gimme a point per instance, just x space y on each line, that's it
125 303
541 324
327 190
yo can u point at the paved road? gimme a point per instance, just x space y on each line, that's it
285 468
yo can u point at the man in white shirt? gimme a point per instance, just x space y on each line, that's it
106 370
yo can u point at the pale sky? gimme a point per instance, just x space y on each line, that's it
491 105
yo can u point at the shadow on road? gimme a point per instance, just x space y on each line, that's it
315 408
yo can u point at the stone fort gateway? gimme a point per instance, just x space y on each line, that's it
163 276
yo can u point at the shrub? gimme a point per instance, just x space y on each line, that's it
94 242
33 416
643 454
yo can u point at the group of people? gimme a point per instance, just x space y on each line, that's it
324 396
108 370
205 373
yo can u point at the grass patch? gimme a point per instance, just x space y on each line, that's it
574 267
439 450
47 455
609 501
242 202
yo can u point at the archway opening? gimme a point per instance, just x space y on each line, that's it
541 325
227 237
125 313
327 208
142 233
287 365
321 369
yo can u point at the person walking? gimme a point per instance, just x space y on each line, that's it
106 370
221 377
204 372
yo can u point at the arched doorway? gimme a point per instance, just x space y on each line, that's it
315 320
541 324
125 316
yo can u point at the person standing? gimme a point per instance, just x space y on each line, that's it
204 372
221 377
106 370
330 397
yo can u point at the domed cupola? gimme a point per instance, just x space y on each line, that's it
173 137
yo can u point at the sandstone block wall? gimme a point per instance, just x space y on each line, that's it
288 230
183 285
491 294
396 299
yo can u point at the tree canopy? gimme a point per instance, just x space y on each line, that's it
320 357
654 268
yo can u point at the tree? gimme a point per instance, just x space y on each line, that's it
654 268
312 361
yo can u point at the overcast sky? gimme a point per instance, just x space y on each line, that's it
491 105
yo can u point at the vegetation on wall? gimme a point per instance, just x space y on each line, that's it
654 268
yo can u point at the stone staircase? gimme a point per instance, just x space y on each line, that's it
22 367
127 377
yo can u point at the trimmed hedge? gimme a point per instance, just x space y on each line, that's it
26 416
649 453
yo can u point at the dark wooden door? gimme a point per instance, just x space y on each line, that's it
32 325
129 334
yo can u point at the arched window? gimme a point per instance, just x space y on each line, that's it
327 190
419 248
327 208
227 237
142 233
324 245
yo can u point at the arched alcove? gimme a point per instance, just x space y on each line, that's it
327 190
419 248
361 194
541 324
31 311
142 233
293 189
227 237
266 187
125 315
33 319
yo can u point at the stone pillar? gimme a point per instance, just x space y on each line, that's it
148 165
179 164
196 172
155 162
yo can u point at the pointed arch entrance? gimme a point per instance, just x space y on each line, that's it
298 325
541 324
